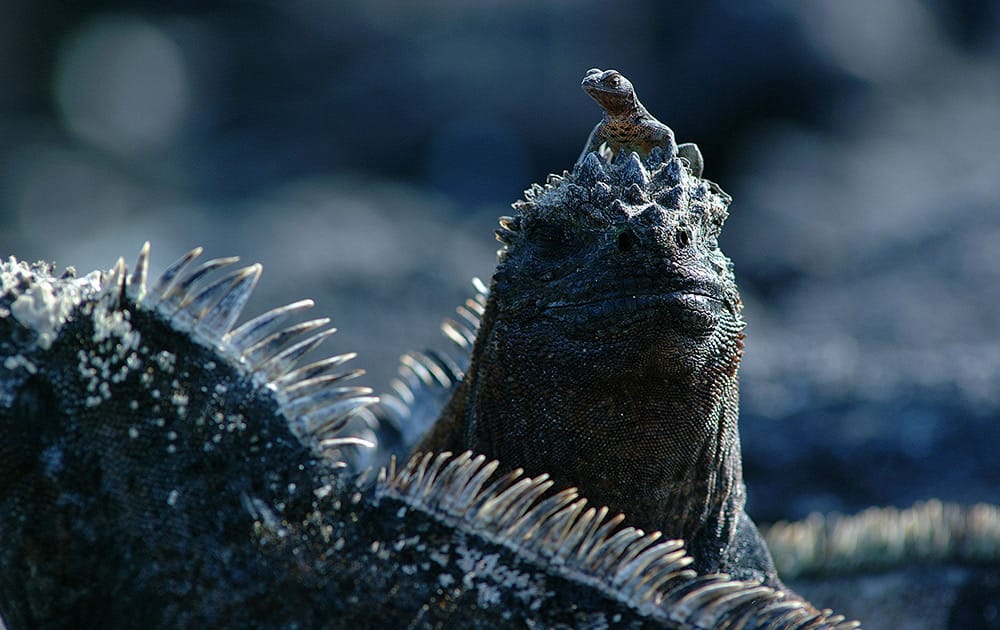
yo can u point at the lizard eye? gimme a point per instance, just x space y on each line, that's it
682 237
615 80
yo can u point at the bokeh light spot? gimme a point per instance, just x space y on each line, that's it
121 85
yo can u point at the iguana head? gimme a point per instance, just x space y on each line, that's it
620 261
612 91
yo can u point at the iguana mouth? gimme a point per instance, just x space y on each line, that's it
631 293
629 302
615 313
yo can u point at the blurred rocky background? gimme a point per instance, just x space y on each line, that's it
363 149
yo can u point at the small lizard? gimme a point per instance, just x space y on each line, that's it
627 125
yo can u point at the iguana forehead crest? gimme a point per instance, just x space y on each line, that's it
604 192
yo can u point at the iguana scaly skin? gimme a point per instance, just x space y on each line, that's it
627 125
608 354
161 468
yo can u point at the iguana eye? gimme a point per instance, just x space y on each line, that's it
614 80
549 240
682 237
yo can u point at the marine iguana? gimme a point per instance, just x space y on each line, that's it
162 468
608 354
626 125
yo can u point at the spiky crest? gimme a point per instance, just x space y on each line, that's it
424 381
566 537
877 538
624 185
311 398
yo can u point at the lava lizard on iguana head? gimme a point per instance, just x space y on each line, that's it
627 125
608 351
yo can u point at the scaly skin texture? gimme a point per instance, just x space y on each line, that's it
161 470
608 354
627 125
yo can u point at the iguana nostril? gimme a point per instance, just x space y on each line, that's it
626 240
682 237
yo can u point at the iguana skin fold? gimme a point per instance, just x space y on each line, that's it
608 354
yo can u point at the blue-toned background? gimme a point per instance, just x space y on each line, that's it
362 150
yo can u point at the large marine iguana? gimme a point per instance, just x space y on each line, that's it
608 354
162 468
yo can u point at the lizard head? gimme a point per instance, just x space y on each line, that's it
612 91
620 260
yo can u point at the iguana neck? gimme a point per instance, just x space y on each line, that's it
660 447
